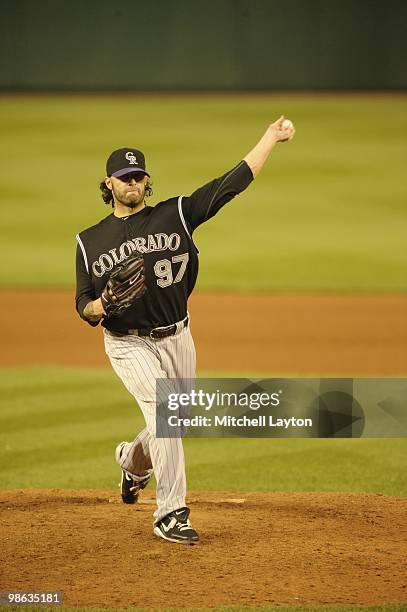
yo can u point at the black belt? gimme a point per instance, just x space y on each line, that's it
155 332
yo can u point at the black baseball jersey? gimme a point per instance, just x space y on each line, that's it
164 234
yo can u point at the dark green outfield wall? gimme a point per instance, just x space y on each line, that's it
213 44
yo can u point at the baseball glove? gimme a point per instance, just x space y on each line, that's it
126 284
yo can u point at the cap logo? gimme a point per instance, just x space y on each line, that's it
131 157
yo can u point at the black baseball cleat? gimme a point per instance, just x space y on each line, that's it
175 527
130 488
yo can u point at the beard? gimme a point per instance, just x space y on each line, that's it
130 197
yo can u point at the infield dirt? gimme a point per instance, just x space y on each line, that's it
317 334
255 549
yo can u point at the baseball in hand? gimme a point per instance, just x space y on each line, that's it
288 125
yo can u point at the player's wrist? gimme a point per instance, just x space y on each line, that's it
272 136
93 311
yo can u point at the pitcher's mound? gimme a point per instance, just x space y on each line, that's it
255 549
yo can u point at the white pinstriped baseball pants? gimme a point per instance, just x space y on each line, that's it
139 361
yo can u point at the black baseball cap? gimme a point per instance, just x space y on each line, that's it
125 160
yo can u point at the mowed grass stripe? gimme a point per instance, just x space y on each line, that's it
366 465
60 428
328 211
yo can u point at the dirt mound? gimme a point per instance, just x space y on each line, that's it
256 548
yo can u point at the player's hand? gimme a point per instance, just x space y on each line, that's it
94 310
125 286
282 130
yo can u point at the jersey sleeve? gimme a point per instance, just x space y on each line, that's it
206 201
85 291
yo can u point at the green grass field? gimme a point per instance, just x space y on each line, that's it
59 428
327 213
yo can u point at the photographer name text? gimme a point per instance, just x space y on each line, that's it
241 421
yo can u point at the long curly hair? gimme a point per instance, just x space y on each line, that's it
107 195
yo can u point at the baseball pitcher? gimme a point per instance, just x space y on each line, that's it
135 271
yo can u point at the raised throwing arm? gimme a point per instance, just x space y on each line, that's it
279 131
